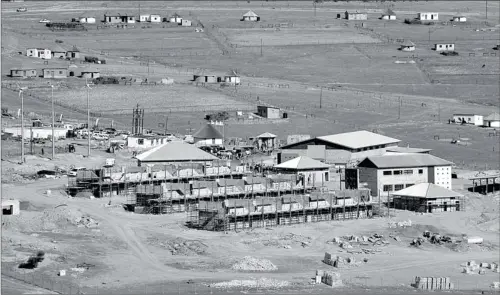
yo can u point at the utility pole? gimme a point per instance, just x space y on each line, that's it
53 122
320 97
439 112
22 125
486 9
399 108
314 3
260 46
88 118
166 124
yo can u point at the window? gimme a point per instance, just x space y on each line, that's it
398 172
60 72
408 171
387 188
409 184
398 187
140 141
389 172
420 171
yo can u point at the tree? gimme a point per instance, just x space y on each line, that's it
219 116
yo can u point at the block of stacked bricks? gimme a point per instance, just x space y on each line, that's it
433 283
331 278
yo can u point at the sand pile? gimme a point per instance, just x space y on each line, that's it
264 283
249 263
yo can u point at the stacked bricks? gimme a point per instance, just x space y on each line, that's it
432 283
331 278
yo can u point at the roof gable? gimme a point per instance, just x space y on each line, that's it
427 190
492 117
208 132
302 163
401 160
250 13
358 139
175 152
266 135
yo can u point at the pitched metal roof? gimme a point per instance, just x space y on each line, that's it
389 12
408 43
302 163
399 149
250 13
492 117
404 160
427 190
175 152
358 139
266 135
208 132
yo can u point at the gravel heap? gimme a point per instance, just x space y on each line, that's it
249 263
264 283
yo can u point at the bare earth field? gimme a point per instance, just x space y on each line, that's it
363 88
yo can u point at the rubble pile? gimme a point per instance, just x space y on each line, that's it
347 242
86 221
340 262
184 247
329 278
471 267
402 224
434 238
264 283
249 263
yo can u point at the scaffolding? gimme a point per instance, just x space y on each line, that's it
233 215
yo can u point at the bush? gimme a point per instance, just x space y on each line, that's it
220 116
59 41
449 53
33 261
413 21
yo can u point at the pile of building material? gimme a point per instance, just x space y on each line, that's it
402 224
434 238
86 221
249 263
347 242
432 283
263 283
471 267
329 278
340 262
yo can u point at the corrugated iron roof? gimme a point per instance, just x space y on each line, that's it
302 163
250 14
208 132
404 160
175 152
492 117
267 135
427 190
358 139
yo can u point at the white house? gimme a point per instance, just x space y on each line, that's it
10 207
468 119
459 18
38 132
155 18
388 15
39 52
250 16
145 141
175 19
492 120
208 135
428 16
144 18
87 20
408 46
186 23
313 171
444 47
232 77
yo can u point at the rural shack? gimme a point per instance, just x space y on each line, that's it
492 120
10 207
388 15
428 16
407 46
175 19
250 16
268 112
355 15
232 78
427 197
42 53
90 73
444 47
23 73
55 73
459 19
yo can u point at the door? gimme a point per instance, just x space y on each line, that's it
71 74
429 208
52 74
445 206
7 210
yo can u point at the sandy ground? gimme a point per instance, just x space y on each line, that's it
361 63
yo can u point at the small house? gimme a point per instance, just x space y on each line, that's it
11 207
86 20
444 47
313 172
23 73
428 16
39 52
186 23
492 120
55 73
388 15
428 198
266 141
408 46
175 19
232 77
468 119
208 135
268 112
58 52
459 19
250 16
119 18
145 141
155 18
205 78
144 18
90 73
355 15
73 53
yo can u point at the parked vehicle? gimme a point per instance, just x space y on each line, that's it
73 171
110 162
44 21
22 9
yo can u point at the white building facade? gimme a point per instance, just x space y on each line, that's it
428 16
39 53
468 119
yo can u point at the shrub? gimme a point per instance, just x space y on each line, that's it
412 21
449 53
220 116
33 261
